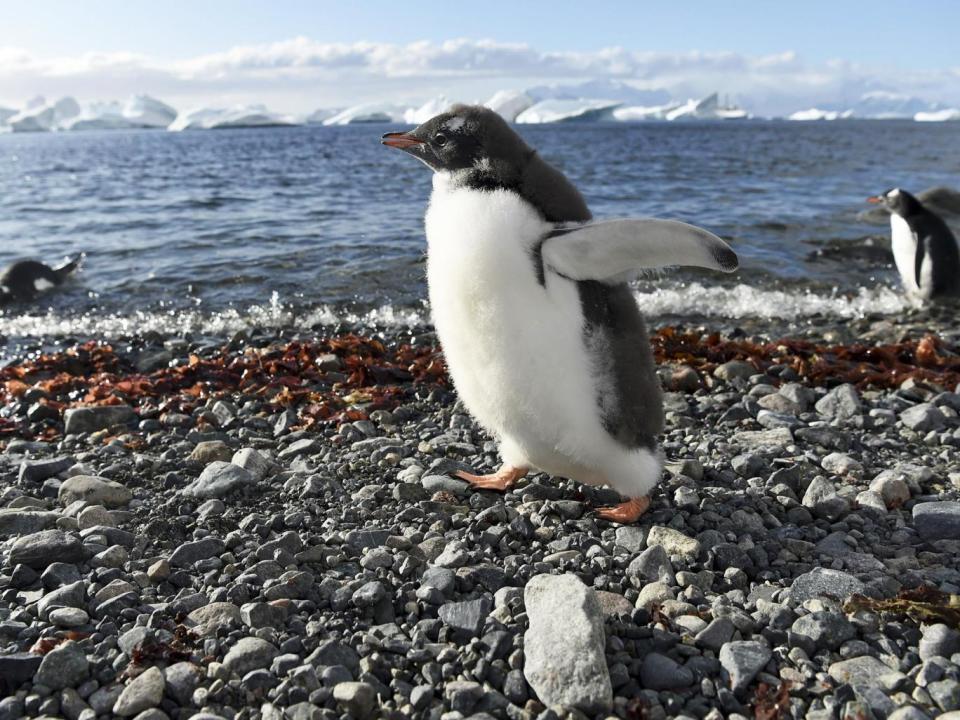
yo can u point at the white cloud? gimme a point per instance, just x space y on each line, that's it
300 74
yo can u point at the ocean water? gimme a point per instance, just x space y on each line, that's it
216 231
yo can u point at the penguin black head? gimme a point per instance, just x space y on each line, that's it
897 201
467 138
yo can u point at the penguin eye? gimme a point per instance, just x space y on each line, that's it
440 139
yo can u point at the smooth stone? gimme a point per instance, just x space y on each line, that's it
673 541
249 653
937 520
92 419
564 613
15 521
209 619
189 553
939 640
863 670
659 672
143 692
841 403
38 550
94 491
68 617
254 462
467 617
358 699
209 450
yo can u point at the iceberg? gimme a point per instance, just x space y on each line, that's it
368 113
708 108
509 103
40 116
947 115
317 117
639 113
6 114
883 105
148 112
415 116
240 116
815 114
553 111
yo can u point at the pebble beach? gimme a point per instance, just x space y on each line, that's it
269 527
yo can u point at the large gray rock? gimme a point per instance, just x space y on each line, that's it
73 595
564 645
358 699
939 640
863 670
937 520
189 553
36 471
923 418
45 547
248 654
144 691
219 479
21 521
821 582
466 618
94 491
65 666
742 660
842 403
85 420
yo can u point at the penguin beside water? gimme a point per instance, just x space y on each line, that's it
924 248
543 338
23 280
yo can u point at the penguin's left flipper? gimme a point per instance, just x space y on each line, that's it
617 250
919 257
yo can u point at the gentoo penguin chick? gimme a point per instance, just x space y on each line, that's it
542 336
924 248
24 279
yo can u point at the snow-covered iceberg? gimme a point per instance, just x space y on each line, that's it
148 112
883 105
241 116
815 114
6 114
946 115
626 93
432 107
640 113
41 116
368 113
509 103
318 117
553 111
707 108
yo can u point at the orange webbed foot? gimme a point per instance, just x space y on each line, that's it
502 480
626 512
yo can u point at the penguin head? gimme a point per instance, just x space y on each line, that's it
467 138
897 201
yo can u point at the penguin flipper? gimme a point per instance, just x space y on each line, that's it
617 250
918 258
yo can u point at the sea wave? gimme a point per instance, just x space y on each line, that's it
691 300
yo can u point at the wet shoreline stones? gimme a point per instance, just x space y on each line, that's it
222 563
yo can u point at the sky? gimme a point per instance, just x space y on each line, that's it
297 56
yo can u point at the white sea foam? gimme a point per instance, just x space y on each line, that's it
694 299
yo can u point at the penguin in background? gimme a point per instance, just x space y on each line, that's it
924 248
23 280
542 335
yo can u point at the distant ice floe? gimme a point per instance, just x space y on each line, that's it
556 111
509 103
815 114
947 115
139 112
241 116
368 113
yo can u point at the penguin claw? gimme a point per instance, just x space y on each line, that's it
502 480
626 512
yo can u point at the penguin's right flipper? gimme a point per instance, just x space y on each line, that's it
68 268
618 250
